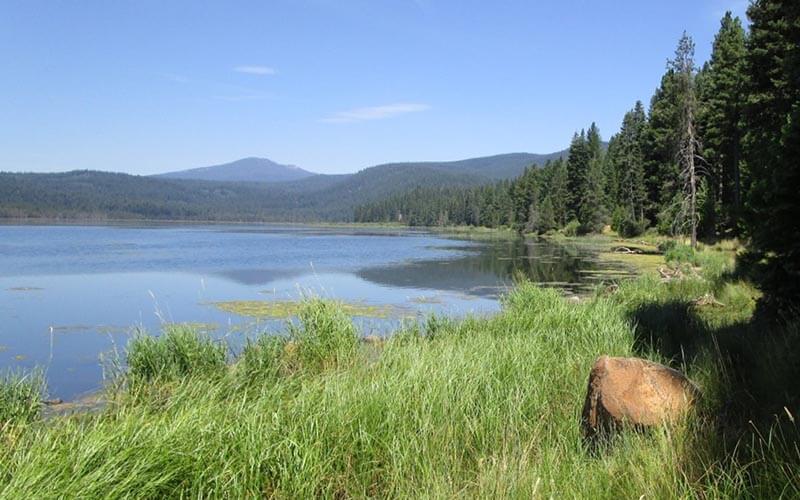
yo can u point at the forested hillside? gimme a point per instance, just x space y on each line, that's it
103 195
499 167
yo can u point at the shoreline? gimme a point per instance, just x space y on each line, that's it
478 384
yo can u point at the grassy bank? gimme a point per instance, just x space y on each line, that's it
478 407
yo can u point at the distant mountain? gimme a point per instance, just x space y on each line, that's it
244 170
189 195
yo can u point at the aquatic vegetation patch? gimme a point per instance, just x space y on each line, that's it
109 329
197 326
287 309
70 328
641 262
422 299
636 254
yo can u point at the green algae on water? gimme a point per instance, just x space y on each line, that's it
286 309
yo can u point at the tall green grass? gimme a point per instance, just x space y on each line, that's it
179 352
324 336
480 407
20 398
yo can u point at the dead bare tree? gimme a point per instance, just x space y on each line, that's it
688 150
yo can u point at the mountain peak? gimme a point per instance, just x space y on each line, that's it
250 169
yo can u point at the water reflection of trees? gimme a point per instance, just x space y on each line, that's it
491 268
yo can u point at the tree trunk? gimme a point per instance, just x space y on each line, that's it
693 202
737 185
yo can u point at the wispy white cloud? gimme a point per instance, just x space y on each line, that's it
375 112
255 70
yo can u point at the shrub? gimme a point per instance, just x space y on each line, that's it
626 225
681 254
572 228
20 398
325 335
181 351
666 245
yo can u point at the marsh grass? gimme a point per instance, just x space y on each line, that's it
20 398
180 351
262 360
479 407
323 335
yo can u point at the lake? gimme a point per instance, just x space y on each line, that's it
71 293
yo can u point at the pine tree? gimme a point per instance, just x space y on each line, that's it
611 173
772 145
591 211
523 192
721 87
592 214
577 173
661 139
628 165
547 219
594 144
558 191
533 219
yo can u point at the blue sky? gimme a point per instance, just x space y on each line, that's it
329 85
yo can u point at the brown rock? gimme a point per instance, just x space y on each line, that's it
635 392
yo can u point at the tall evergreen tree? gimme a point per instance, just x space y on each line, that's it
533 218
629 164
772 143
594 144
592 211
558 192
578 161
547 218
611 173
661 138
721 88
577 173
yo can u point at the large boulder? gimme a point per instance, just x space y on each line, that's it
636 392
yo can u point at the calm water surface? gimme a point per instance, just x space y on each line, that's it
70 293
